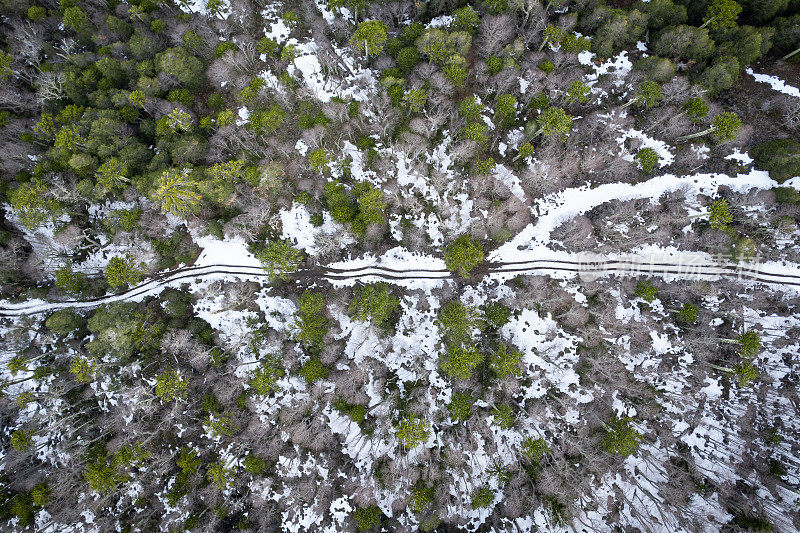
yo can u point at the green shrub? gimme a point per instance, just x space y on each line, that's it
649 94
123 271
367 517
688 315
457 322
255 465
279 259
621 438
781 158
647 159
505 361
645 291
459 362
721 75
411 432
726 126
313 370
460 406
64 321
463 255
373 302
534 449
482 497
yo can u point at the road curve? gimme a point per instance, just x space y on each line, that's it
587 269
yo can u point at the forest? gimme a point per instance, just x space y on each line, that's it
400 265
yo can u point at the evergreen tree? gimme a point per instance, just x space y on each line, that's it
369 38
176 192
463 255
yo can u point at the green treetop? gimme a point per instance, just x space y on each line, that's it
171 386
175 192
551 35
32 204
470 109
621 438
123 270
279 259
553 121
313 370
373 302
319 160
482 497
534 449
646 291
750 344
696 109
720 214
369 38
219 476
505 361
459 362
367 518
5 65
647 95
264 379
181 66
112 174
505 112
721 14
460 406
647 159
725 128
578 92
457 322
411 432
688 315
370 206
310 320
465 19
463 255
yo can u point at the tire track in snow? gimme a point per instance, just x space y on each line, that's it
594 268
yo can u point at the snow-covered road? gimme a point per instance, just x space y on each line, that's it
585 267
